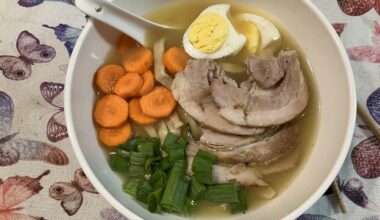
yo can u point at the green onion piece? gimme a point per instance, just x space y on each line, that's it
165 164
158 179
151 162
131 186
136 171
123 153
176 152
196 189
169 140
154 199
222 193
242 205
155 141
182 142
144 189
174 197
189 203
131 144
118 163
147 148
138 158
202 166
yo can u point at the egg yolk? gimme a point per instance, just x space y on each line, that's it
208 32
252 33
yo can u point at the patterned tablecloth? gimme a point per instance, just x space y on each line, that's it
39 171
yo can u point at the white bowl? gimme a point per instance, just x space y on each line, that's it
334 80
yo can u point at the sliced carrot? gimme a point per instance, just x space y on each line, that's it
107 76
138 60
175 60
148 83
128 85
111 111
137 115
125 44
112 137
158 103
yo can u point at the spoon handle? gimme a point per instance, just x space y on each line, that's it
113 15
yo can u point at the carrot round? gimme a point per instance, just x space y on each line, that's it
175 60
111 111
137 115
125 44
128 85
138 60
158 103
148 83
112 137
107 76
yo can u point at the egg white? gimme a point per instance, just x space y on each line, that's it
232 45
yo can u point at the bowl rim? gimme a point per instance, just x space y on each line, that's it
292 215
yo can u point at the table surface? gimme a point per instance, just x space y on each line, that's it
42 168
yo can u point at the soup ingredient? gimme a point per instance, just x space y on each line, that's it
252 34
125 44
265 72
174 123
107 76
137 115
264 106
240 173
161 182
211 137
112 137
175 60
148 85
150 130
191 88
202 166
111 111
242 205
268 31
270 148
212 35
128 85
284 163
162 130
138 60
159 68
158 103
266 192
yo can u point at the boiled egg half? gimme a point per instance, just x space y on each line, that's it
212 36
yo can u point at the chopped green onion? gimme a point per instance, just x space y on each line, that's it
158 179
131 187
182 142
202 166
118 163
242 205
131 144
156 142
170 139
138 158
222 193
147 148
144 189
174 197
123 153
154 199
165 164
176 152
196 189
136 171
151 162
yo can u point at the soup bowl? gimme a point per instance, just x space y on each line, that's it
335 86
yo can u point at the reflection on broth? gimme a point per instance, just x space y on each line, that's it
236 68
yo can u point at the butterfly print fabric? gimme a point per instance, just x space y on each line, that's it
13 149
31 52
67 34
53 93
70 193
16 190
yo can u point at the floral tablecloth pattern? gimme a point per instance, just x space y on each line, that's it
40 177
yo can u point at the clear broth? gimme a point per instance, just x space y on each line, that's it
181 15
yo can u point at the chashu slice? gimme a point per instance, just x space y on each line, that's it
191 88
278 92
272 145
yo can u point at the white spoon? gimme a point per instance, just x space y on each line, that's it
119 18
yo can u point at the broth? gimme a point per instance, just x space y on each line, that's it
178 14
